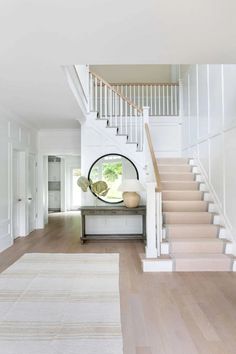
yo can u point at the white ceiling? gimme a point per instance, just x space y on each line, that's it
37 37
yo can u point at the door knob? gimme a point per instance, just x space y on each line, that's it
19 200
30 198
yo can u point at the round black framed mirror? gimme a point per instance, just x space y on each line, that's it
111 169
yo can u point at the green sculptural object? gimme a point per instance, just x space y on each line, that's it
99 188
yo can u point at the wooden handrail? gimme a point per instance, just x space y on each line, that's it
145 84
117 92
153 157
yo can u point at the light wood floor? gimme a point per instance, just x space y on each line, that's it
174 313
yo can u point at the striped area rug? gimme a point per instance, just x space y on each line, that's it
61 304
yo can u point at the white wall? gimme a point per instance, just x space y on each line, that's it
209 130
13 135
166 136
133 73
60 142
70 163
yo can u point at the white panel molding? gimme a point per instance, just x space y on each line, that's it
15 134
205 157
224 220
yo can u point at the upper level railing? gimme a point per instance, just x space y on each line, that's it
120 112
162 98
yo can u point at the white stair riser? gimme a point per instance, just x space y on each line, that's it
197 246
187 218
177 177
173 161
184 206
175 168
182 195
180 186
199 265
199 231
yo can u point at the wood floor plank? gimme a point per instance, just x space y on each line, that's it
161 313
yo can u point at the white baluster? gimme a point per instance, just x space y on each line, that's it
115 102
167 100
159 100
91 91
100 104
134 97
171 100
136 125
139 96
163 100
176 100
110 107
130 95
147 98
105 100
96 93
151 98
143 104
126 104
155 100
121 118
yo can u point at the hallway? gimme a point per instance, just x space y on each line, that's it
170 313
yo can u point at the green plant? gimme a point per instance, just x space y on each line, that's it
111 171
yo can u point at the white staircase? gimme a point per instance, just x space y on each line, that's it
191 231
183 231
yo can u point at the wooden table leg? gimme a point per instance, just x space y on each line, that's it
144 228
82 228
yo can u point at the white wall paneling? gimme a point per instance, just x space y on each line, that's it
215 99
211 90
14 136
203 99
166 136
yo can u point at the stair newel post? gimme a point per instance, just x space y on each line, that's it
151 245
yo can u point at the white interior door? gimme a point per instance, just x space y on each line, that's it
31 193
16 198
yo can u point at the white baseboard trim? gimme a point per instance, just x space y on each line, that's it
5 242
157 264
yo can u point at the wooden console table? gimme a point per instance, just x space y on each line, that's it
112 210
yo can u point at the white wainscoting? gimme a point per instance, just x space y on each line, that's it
13 135
209 131
166 136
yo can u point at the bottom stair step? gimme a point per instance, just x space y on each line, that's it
202 262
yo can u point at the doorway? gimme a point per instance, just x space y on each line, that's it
54 184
